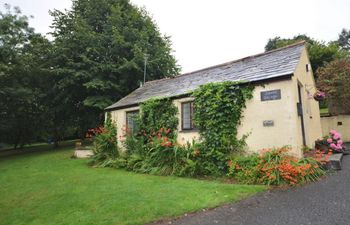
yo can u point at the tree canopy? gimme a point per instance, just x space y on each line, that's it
344 39
334 80
319 52
21 97
60 88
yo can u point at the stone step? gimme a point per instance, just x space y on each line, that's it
335 161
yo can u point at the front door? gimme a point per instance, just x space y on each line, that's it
300 113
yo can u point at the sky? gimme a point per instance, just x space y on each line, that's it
207 32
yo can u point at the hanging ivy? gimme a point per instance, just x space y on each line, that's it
158 113
218 112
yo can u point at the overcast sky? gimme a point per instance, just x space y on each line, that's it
205 33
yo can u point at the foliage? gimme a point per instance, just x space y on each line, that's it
156 114
332 142
344 39
21 86
334 80
105 146
57 89
65 191
319 52
275 167
153 149
243 168
98 58
160 155
217 115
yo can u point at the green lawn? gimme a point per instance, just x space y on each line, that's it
51 188
324 111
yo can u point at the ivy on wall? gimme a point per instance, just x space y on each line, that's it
217 115
158 113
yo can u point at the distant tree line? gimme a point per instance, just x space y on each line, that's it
57 89
331 66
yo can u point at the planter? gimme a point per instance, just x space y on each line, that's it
83 153
346 151
319 98
322 147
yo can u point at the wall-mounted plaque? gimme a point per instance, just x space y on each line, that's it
270 95
268 123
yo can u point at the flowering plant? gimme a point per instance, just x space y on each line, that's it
319 95
334 141
275 167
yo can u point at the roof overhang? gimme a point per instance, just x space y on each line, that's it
257 82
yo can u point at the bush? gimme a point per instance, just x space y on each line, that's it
332 142
274 167
105 146
333 79
243 168
217 115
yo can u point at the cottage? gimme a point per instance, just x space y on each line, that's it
281 112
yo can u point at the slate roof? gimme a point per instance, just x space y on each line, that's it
273 64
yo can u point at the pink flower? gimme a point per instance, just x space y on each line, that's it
333 146
336 136
339 146
340 142
333 132
330 140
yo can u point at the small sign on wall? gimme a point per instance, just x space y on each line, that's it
270 95
268 123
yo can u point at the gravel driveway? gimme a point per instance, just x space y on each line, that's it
326 202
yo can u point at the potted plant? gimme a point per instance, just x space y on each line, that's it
332 142
319 95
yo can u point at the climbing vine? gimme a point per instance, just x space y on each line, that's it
158 113
217 115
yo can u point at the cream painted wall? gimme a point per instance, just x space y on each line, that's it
282 112
184 136
119 119
331 123
311 111
287 126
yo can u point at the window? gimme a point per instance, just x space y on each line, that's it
131 124
187 116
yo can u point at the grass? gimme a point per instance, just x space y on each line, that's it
37 146
324 111
51 188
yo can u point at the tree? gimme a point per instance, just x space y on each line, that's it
99 55
344 39
334 80
319 52
21 106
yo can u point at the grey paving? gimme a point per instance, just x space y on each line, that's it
326 202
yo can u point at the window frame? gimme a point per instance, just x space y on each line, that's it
127 119
191 115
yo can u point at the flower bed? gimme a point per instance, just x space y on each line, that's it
275 167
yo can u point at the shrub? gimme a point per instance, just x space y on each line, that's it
333 78
105 146
275 167
243 168
134 144
217 115
331 142
158 113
